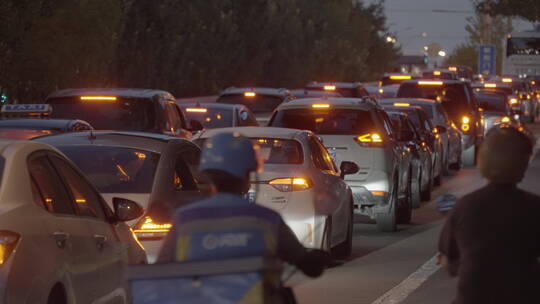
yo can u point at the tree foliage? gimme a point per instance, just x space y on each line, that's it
527 9
187 47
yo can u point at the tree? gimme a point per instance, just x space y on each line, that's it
528 9
464 54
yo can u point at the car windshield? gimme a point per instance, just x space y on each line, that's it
452 96
492 102
122 114
257 103
344 92
329 122
210 118
115 169
279 151
428 109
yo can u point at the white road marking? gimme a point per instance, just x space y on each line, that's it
401 291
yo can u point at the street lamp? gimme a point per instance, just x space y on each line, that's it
442 53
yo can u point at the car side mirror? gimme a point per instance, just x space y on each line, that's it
441 129
348 168
195 125
126 210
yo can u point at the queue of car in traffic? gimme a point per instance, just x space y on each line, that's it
102 170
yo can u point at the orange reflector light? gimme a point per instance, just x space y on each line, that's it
452 68
289 184
196 110
437 73
80 201
250 94
329 87
151 230
505 119
490 85
507 80
8 242
401 104
378 193
400 77
98 98
433 83
320 106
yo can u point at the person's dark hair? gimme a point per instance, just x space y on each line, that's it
225 182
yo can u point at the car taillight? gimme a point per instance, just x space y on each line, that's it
8 242
369 140
290 184
148 230
465 120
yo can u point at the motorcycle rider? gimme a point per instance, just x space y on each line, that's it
491 239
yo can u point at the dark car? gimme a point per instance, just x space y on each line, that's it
218 115
495 108
458 99
346 89
27 121
303 93
440 74
261 101
137 110
463 72
425 129
421 161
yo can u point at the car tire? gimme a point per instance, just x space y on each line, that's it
458 164
405 207
57 295
468 157
425 194
387 222
416 195
344 250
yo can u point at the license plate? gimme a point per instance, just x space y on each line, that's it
251 197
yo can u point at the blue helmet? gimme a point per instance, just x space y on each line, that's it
229 153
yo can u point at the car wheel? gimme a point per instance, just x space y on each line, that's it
405 206
458 164
468 157
425 194
344 249
57 295
387 222
416 195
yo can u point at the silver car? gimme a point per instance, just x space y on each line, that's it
301 182
358 130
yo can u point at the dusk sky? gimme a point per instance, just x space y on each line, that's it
410 18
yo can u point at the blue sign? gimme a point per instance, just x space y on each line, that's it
487 60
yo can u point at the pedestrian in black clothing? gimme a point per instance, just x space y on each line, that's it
491 239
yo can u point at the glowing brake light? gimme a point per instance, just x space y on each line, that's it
465 124
196 110
507 80
329 87
320 106
98 98
250 94
513 101
505 119
370 139
8 242
453 69
437 73
400 77
490 85
402 104
150 230
433 83
290 184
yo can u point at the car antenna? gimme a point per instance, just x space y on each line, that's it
92 135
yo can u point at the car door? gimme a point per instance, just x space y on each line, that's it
70 242
331 190
108 254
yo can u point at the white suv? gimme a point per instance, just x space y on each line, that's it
358 130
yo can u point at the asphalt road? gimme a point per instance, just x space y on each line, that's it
399 267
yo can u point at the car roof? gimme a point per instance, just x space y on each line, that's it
271 132
36 122
222 106
140 140
387 101
120 92
340 102
339 85
305 93
261 91
444 81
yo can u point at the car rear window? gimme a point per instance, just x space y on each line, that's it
22 134
452 96
491 102
115 169
210 118
257 104
121 114
326 122
280 151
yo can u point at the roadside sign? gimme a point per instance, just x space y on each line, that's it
487 56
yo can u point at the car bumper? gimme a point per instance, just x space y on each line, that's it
467 141
372 192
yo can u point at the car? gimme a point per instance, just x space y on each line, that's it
495 108
261 101
440 74
358 130
156 171
137 110
421 157
59 241
23 121
346 89
426 129
463 72
378 92
512 95
524 92
303 93
218 115
298 171
458 100
449 135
